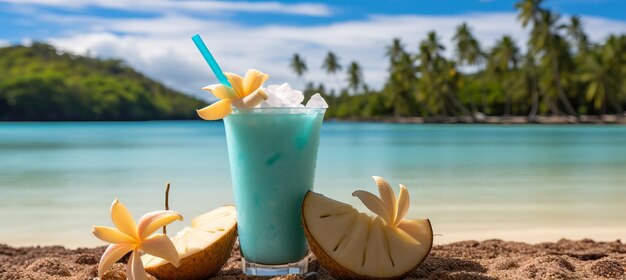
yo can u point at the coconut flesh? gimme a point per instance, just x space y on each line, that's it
350 244
203 247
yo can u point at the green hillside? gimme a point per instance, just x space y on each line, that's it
40 83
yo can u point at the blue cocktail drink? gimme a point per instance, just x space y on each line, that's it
272 154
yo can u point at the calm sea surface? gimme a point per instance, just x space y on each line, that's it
529 183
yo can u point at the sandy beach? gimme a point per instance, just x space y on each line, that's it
490 259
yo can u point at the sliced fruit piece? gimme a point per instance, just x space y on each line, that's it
350 244
203 248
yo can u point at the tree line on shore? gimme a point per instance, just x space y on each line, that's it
561 73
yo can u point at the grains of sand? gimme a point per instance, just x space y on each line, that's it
490 259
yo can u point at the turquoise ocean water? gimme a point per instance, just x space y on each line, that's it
523 182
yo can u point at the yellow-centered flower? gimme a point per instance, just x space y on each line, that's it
127 236
245 93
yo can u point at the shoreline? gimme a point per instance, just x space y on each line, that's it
489 259
500 120
497 120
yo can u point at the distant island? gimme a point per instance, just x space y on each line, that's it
41 83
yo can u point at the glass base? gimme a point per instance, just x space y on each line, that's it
250 268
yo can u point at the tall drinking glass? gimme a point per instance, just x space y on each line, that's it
272 153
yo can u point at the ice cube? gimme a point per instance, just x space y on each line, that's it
288 96
317 101
282 96
272 99
295 98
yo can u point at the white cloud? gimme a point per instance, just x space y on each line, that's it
161 47
4 43
206 7
598 28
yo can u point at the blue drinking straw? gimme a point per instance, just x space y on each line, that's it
211 61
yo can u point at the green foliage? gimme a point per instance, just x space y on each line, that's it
40 83
331 63
355 76
298 65
562 72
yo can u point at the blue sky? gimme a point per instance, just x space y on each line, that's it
153 35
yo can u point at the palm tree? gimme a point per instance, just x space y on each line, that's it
612 59
331 65
467 47
621 76
576 33
439 78
401 86
595 73
528 11
298 65
503 63
450 80
355 76
430 49
614 52
529 84
468 52
562 71
505 53
577 37
547 43
395 50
